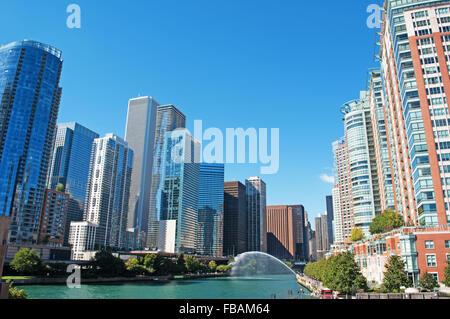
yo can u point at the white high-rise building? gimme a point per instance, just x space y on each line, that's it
140 136
337 224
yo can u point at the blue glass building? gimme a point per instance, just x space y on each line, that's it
179 195
29 102
210 210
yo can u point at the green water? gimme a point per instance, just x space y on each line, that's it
213 288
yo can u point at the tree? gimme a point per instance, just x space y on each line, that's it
395 275
223 268
193 265
59 188
16 293
386 222
212 266
357 235
447 275
132 265
181 264
428 282
105 263
27 262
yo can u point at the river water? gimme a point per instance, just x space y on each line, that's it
259 287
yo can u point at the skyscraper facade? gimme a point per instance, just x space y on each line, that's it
330 221
235 219
178 211
53 218
70 167
321 236
168 118
338 236
109 190
285 232
256 214
210 209
30 96
140 136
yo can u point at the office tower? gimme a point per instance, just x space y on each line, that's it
385 165
30 96
330 221
362 162
178 211
256 214
140 136
415 36
108 190
210 209
338 236
168 118
53 218
70 167
321 234
235 219
312 244
342 169
82 240
285 232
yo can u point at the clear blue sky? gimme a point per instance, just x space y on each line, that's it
238 63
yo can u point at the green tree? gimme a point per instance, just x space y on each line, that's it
357 235
395 275
289 264
193 265
132 265
59 188
224 268
386 222
447 275
212 266
428 282
181 264
343 274
104 263
16 293
27 262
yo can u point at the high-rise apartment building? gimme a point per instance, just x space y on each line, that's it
256 214
53 218
140 136
168 118
235 219
362 162
321 234
70 167
338 235
343 178
178 211
285 232
210 209
109 190
30 96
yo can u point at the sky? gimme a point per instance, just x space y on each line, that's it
285 64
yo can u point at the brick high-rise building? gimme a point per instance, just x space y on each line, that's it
235 219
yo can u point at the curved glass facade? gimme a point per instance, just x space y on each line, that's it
29 102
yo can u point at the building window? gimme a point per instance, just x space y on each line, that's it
431 261
429 244
447 244
435 275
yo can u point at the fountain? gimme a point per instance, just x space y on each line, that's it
259 263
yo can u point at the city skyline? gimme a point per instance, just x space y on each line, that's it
161 76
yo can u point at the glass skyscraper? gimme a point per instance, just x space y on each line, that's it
168 118
140 136
179 193
210 210
257 214
29 102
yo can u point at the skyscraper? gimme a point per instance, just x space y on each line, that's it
235 219
140 136
70 167
256 214
109 190
168 118
330 220
321 234
362 162
178 212
285 232
53 218
30 96
338 235
210 209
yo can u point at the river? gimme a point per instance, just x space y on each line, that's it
261 287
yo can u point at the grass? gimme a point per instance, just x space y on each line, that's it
15 277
